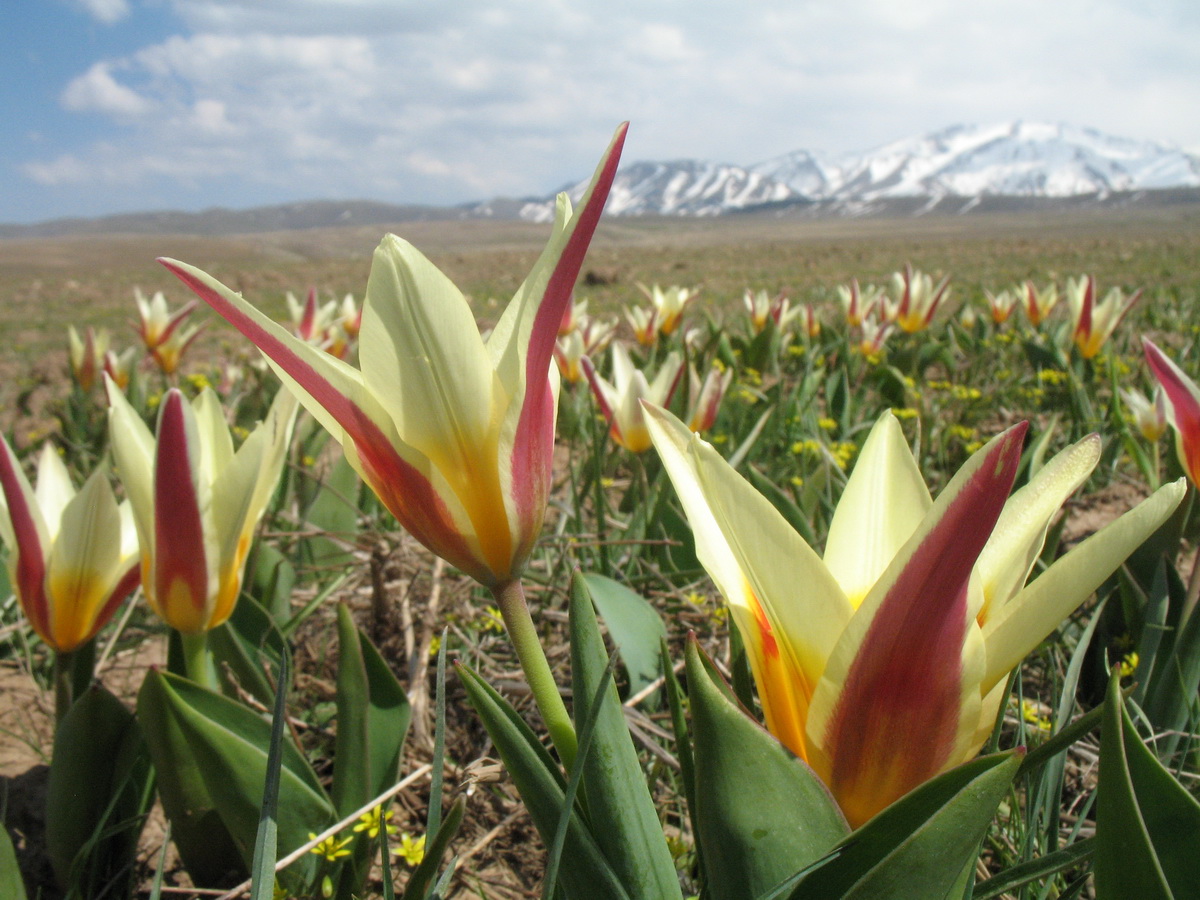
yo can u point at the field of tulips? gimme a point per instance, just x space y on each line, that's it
737 589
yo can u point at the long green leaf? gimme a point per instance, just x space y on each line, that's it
1043 867
621 812
11 883
266 841
1147 824
762 814
540 783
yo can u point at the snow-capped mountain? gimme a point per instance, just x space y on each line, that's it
682 188
1014 159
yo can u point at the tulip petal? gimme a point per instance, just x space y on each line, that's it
1184 400
133 452
899 694
54 489
28 541
184 564
882 505
1020 531
85 564
1015 629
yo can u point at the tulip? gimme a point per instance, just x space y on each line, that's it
455 435
310 320
119 367
858 304
620 401
918 299
644 323
588 339
705 397
812 322
884 663
669 304
156 323
72 556
169 352
1038 304
761 307
196 502
350 317
1149 415
874 336
1001 305
1183 407
87 354
1094 322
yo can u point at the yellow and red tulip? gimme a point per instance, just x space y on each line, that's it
761 308
1183 407
705 397
1001 305
350 317
621 400
858 305
1093 323
588 339
1039 303
169 352
884 663
86 354
573 317
156 323
196 501
72 556
917 299
455 435
1149 414
119 367
644 323
669 305
874 335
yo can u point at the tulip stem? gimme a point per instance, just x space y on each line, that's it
510 597
72 676
198 661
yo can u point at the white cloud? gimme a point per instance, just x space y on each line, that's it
97 91
428 102
106 11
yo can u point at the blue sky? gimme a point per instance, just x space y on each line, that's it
127 105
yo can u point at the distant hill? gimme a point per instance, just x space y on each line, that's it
1010 167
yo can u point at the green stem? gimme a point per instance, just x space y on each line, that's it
510 597
198 661
72 676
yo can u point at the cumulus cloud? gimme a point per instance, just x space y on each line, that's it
106 11
425 102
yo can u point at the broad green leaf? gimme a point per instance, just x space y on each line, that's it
1147 824
373 719
240 648
762 813
621 812
585 873
634 625
271 580
210 753
924 843
11 883
100 787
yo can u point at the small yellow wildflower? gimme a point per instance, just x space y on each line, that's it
904 412
493 619
371 821
411 850
331 848
240 433
279 892
843 453
1052 376
752 376
962 392
307 460
1129 664
747 396
606 482
962 432
720 438
797 349
972 446
198 382
718 364
827 423
1030 713
797 481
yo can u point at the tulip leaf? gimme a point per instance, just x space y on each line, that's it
100 788
621 812
210 753
923 845
11 883
634 625
239 647
269 580
1147 824
373 716
586 874
761 813
1042 867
